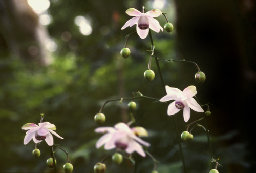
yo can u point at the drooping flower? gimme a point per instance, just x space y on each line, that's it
121 136
143 21
182 100
40 132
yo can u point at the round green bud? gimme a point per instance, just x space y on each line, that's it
36 152
149 75
154 171
200 76
117 158
132 106
168 27
68 167
99 118
185 135
99 168
125 52
214 171
50 163
190 137
207 113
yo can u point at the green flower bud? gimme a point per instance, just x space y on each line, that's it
185 135
168 27
132 106
68 167
99 118
36 152
99 168
207 113
214 171
125 52
200 76
117 158
50 163
149 75
154 171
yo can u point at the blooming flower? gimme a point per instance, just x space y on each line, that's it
143 21
40 132
183 100
121 136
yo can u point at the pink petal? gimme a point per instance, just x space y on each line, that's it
123 127
154 24
49 139
154 13
186 113
192 103
134 146
50 126
190 91
142 33
174 92
141 141
167 98
55 134
104 129
28 126
131 22
171 110
133 12
28 137
42 131
104 139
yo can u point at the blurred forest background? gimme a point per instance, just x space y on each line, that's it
61 57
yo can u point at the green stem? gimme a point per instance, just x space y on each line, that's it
181 60
53 158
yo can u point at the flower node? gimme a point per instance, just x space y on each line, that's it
179 105
120 145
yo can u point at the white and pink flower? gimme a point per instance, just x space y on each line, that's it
183 100
143 21
40 132
121 136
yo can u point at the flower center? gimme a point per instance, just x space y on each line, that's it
120 145
40 138
143 23
179 105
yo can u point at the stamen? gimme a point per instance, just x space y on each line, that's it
179 105
120 145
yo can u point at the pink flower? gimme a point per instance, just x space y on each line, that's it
143 21
183 100
121 136
40 132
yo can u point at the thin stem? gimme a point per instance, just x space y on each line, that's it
42 117
54 159
153 158
127 37
129 98
65 151
200 119
164 14
181 60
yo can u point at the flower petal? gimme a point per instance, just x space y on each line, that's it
42 131
186 113
29 126
134 146
36 141
142 33
49 139
104 129
154 24
190 91
154 13
141 141
131 22
171 110
28 137
167 98
133 12
50 126
55 134
103 140
174 92
192 103
123 127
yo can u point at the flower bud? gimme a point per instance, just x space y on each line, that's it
214 171
117 158
36 152
99 118
207 113
185 135
140 131
125 52
68 167
200 76
132 106
50 163
149 75
99 168
168 27
154 171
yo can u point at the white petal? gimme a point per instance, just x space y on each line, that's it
104 129
28 126
28 137
174 92
154 13
49 139
133 12
110 144
131 22
55 134
50 126
142 33
192 103
123 127
167 98
141 141
42 131
154 24
104 139
190 91
171 110
186 113
134 146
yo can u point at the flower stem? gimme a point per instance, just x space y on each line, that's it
54 159
164 14
65 151
127 37
181 60
153 158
